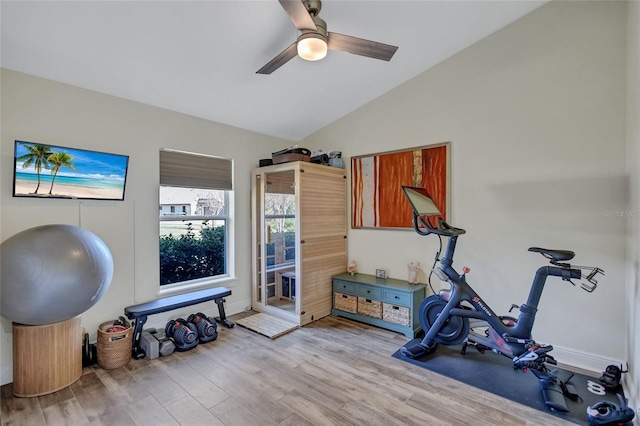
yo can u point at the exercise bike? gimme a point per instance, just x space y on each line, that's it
459 315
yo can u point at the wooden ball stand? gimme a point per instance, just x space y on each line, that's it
46 358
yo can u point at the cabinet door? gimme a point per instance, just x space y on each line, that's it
279 212
323 203
323 244
321 259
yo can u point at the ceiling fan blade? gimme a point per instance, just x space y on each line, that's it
360 46
282 58
298 14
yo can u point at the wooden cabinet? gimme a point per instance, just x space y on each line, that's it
387 303
299 228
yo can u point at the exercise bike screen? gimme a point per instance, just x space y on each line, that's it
421 202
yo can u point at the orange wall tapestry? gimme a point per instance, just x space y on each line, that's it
377 200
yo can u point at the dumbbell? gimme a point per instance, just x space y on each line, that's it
89 351
183 333
206 326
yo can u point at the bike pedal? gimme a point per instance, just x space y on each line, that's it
417 350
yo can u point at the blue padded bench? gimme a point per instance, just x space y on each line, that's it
138 313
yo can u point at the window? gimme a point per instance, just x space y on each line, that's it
194 221
280 219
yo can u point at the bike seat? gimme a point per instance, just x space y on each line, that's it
554 255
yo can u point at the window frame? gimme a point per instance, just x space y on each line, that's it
228 217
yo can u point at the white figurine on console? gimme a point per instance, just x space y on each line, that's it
414 271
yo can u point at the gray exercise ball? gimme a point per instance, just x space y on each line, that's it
53 273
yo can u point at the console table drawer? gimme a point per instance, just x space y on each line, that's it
396 314
345 302
371 308
344 287
397 297
370 292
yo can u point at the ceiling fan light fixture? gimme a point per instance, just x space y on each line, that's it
314 39
312 46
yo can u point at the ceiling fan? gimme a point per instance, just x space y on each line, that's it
314 39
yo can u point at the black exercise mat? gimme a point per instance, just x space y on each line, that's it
494 373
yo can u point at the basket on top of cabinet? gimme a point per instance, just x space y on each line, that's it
388 303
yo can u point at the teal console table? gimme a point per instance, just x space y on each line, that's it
387 303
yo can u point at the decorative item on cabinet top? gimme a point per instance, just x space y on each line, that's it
352 267
413 272
290 154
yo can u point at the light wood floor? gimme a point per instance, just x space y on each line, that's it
331 372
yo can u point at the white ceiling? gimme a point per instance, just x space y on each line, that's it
200 57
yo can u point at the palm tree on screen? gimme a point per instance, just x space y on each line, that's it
38 157
58 160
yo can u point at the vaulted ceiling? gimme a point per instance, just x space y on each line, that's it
200 57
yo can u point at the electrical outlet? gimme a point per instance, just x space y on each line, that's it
381 273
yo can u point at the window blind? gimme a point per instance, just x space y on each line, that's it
189 170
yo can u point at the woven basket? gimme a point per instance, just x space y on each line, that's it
345 302
369 307
395 314
113 348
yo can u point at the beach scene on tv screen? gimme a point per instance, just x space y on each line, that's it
43 170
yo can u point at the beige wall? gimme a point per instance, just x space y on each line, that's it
536 118
39 110
633 160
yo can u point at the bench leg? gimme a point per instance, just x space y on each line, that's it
136 350
222 319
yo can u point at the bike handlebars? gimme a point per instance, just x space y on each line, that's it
443 227
591 283
567 272
557 257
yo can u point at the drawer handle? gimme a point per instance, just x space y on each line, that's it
396 307
368 291
344 286
368 300
344 296
396 297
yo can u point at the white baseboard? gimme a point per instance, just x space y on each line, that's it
632 393
585 361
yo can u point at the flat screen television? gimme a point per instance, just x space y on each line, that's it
51 171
